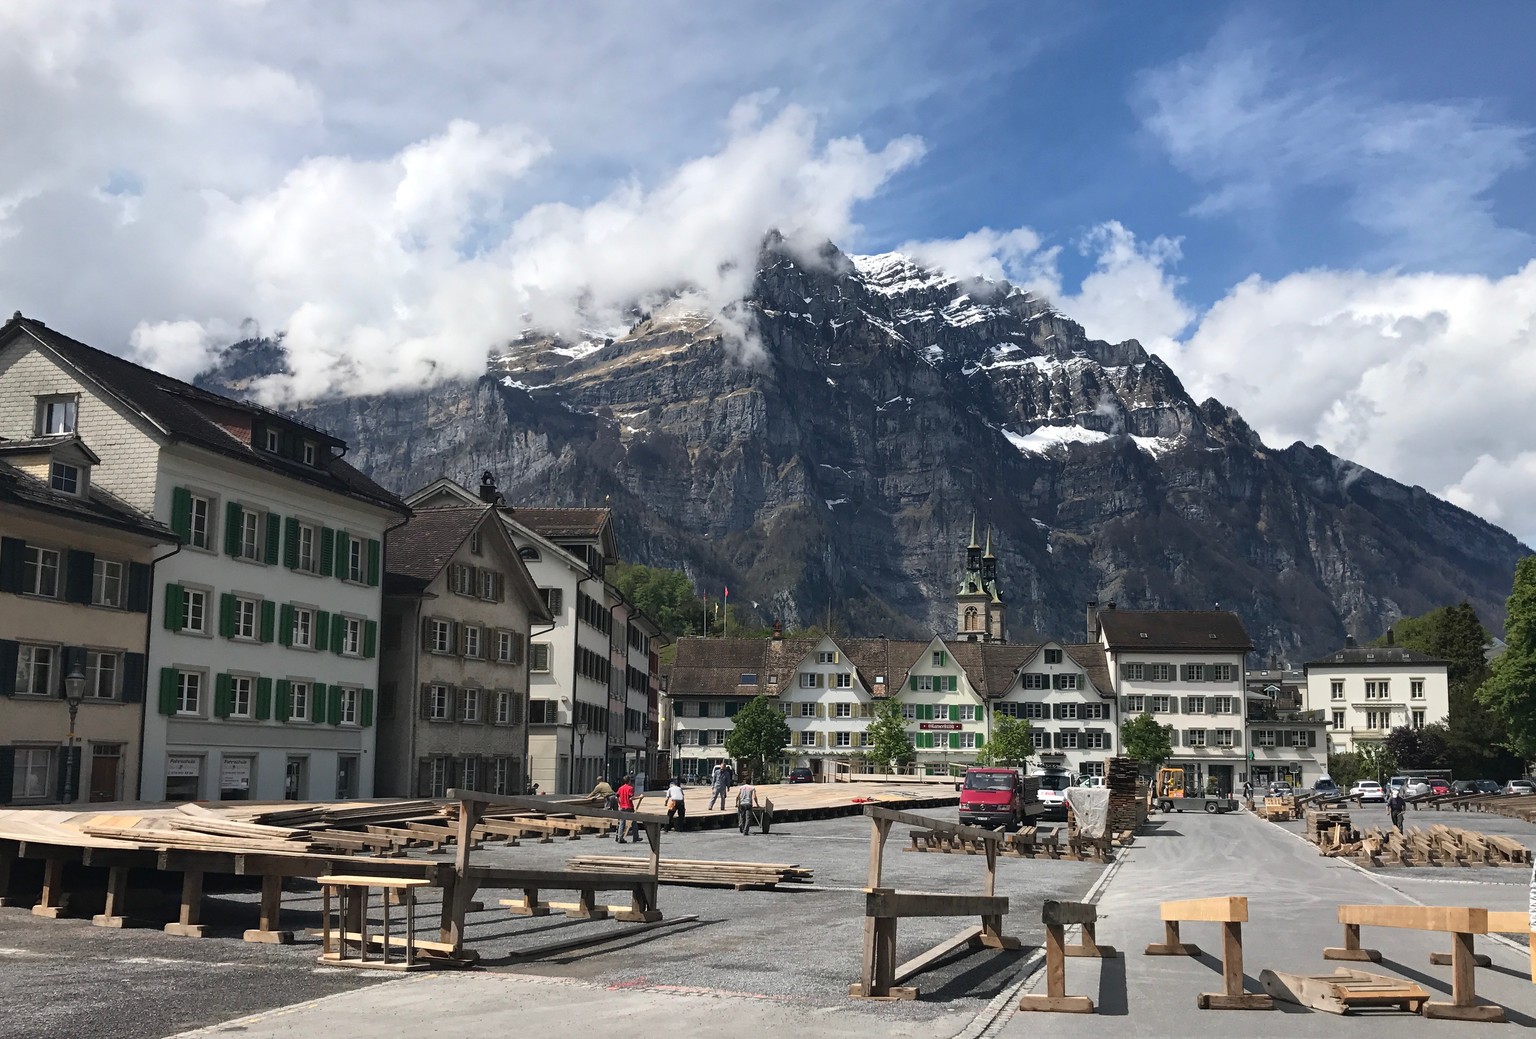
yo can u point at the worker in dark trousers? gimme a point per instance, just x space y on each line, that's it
746 800
1396 806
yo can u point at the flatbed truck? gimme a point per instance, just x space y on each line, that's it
1170 796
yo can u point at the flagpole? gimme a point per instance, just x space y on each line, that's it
725 618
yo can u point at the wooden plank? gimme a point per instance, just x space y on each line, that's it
1067 913
885 904
975 833
559 879
344 880
537 804
1455 919
1516 921
1230 909
922 962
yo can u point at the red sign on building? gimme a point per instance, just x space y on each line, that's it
940 726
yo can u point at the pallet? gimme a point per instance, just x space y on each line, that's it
1344 990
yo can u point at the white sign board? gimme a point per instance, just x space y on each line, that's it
181 767
235 774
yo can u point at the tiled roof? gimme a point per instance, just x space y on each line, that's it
1090 657
1373 656
183 411
98 506
1174 630
562 523
423 545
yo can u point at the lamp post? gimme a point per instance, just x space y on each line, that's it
74 692
581 745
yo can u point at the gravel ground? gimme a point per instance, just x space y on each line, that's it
799 943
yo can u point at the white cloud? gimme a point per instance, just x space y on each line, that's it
1258 121
1130 294
1014 256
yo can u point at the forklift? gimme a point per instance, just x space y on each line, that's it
1170 795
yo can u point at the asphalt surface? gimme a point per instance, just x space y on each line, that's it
792 951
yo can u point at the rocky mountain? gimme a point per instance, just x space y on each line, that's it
836 470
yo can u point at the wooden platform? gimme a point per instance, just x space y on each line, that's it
1345 990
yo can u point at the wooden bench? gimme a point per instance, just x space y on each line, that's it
1460 922
1231 912
352 892
1057 916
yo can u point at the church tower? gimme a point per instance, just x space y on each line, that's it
980 614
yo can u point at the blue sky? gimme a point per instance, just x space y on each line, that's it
1319 213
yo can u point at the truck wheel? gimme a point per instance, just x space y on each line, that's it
1165 806
1211 807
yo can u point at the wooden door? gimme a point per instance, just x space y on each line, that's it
105 770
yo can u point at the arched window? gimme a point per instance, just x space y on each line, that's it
529 553
972 619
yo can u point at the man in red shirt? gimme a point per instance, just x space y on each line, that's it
626 796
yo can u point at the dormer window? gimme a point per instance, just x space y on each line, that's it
272 441
67 478
309 453
56 415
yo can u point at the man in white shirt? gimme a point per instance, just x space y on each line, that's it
746 800
676 809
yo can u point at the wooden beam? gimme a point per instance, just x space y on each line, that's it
886 904
539 804
1065 913
1455 919
189 922
111 914
559 879
975 833
1207 910
920 963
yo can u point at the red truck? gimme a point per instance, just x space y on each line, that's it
992 797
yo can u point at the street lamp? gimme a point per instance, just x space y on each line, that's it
581 745
74 692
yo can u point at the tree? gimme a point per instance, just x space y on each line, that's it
1009 744
1510 691
1145 741
1427 747
1344 769
888 743
665 596
1376 761
760 735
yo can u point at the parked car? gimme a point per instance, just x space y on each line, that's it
1326 787
1280 790
799 775
1395 785
1052 796
1520 788
992 797
1368 790
1439 787
1488 786
1415 788
1464 786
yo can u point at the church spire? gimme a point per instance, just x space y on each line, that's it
988 554
973 533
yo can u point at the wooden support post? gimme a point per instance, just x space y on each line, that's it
189 922
1232 996
111 914
528 905
470 813
53 897
1056 999
1352 949
1463 1005
270 932
1171 945
1089 946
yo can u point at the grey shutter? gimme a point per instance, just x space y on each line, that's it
79 572
134 675
7 772
1237 737
426 700
1173 737
138 587
9 653
12 561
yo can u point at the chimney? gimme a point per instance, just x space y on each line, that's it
778 631
1093 620
1349 642
1391 638
488 492
1111 605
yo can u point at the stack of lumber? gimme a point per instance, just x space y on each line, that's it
1028 843
194 828
740 876
1279 809
1127 798
349 815
1437 846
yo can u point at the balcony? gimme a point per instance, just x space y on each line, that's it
1269 713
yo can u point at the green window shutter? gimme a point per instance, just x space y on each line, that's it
954 712
913 683
317 702
268 619
333 698
954 741
263 698
291 543
181 513
232 514
338 632
274 537
943 659
370 637
285 625
365 708
339 564
954 683
222 697
322 630
981 740
168 680
175 607
327 550
375 557
925 712
284 700
227 615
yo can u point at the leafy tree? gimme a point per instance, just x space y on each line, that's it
1428 747
1145 741
888 743
1345 769
1510 691
665 596
1009 743
760 735
1376 761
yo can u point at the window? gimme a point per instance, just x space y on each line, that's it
1162 704
826 656
1223 705
1067 740
1378 689
189 692
1008 710
1378 719
1195 737
967 741
1225 738
474 543
924 683
1418 719
1135 672
968 712
349 706
469 705
34 670
357 560
1066 681
57 416
808 739
972 619
298 701
32 774
747 678
250 534
490 585
441 636
1264 738
272 440
554 599
1338 719
1067 711
461 579
529 553
438 700
1053 656
1095 741
469 774
941 659
241 696
302 634
352 636
199 531
309 453
40 572
810 680
1093 768
843 680
844 739
472 641
1416 689
1036 681
1034 711
107 583
1222 672
306 559
1098 711
1160 672
1194 672
504 776
1336 689
808 710
1299 738
245 618
1136 704
538 657
65 477
101 671
505 712
509 647
1039 739
437 775
843 710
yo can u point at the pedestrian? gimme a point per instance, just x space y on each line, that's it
746 800
1248 793
640 782
626 803
1395 808
602 792
534 790
676 808
719 786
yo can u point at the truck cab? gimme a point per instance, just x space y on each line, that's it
992 797
1054 784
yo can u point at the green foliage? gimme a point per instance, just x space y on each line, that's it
888 743
760 735
1345 769
1009 743
665 596
1428 747
1144 740
1376 761
1452 633
1510 691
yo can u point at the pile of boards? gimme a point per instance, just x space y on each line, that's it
192 827
1331 831
1028 843
1437 846
1279 809
1127 796
1519 807
739 876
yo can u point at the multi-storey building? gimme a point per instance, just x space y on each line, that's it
76 566
1065 693
453 698
262 656
1366 691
